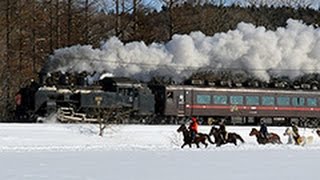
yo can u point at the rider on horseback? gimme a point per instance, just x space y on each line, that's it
263 129
223 131
295 130
193 127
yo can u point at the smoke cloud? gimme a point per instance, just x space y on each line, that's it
291 51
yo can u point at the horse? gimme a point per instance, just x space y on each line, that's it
200 137
230 137
302 140
272 138
318 132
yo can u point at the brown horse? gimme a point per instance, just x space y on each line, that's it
272 138
200 137
231 137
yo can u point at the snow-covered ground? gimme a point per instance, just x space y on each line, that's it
137 152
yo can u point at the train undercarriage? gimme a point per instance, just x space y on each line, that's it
110 116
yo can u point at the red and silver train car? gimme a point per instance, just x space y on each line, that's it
239 105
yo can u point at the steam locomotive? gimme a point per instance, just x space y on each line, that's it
82 102
159 103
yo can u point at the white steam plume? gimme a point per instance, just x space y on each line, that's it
290 51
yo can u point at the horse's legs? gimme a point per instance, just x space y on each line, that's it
197 143
190 145
183 145
204 142
218 143
289 140
235 142
303 141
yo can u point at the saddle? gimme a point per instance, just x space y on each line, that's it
224 136
267 137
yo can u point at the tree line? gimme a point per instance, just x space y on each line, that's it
31 30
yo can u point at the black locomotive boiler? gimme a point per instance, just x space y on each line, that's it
83 103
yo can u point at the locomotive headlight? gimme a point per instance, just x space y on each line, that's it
98 100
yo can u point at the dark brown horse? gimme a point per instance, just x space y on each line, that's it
231 137
318 132
272 138
187 139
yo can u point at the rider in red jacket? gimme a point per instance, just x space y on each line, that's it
193 127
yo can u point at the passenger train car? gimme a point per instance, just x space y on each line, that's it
240 105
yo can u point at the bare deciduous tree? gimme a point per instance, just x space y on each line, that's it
112 115
278 3
6 83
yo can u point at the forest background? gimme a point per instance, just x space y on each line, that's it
30 30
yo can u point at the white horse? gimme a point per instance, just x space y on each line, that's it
303 140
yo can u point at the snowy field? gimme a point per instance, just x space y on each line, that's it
136 152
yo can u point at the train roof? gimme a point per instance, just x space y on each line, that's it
249 90
65 90
121 82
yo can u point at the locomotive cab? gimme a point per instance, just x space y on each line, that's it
131 93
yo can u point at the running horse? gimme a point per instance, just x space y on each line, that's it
318 132
302 140
272 138
230 137
187 139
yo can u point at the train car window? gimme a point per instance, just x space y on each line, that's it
298 101
203 99
252 100
122 91
170 95
311 101
220 99
130 92
236 100
283 101
268 100
181 99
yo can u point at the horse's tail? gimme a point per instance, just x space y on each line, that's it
209 139
239 137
